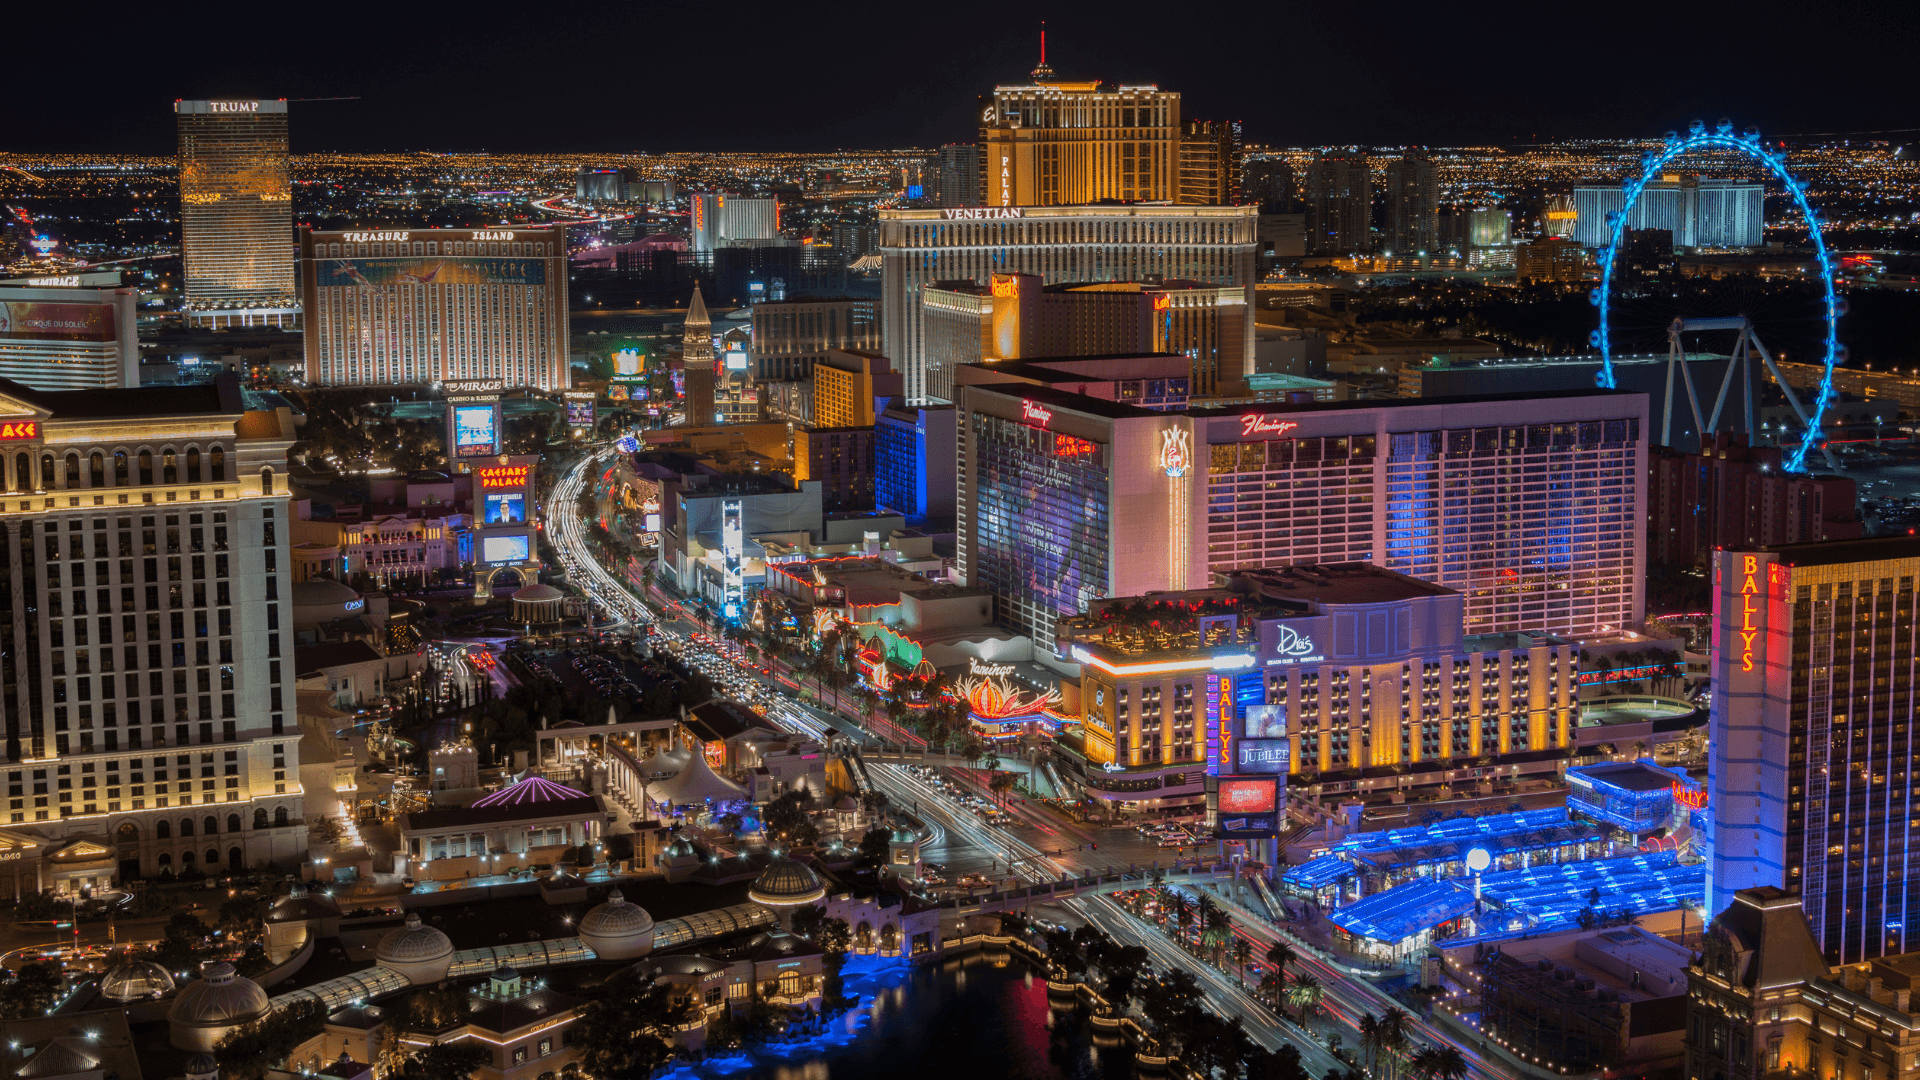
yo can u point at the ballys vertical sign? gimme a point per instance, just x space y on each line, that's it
1749 608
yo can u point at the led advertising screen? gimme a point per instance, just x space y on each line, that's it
1266 722
507 508
580 410
56 322
503 549
474 432
653 522
1249 807
1261 755
736 361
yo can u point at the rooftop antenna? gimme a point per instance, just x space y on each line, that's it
1043 72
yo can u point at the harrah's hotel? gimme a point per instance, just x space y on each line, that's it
1532 507
421 306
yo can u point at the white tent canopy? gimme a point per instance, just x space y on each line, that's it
694 784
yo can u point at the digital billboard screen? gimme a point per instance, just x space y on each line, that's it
506 508
474 431
1261 755
579 411
1249 807
736 361
56 322
501 549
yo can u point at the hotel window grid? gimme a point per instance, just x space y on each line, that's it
1491 512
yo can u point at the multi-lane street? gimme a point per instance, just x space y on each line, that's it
1038 844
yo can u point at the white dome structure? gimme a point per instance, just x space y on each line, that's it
213 1005
417 952
136 980
617 930
323 600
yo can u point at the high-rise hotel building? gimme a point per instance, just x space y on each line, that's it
1531 506
1811 777
236 212
422 306
1048 143
1209 245
146 649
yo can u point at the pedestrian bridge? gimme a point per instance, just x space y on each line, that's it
893 754
1095 883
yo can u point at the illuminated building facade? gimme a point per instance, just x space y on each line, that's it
1530 507
1048 143
912 446
148 653
236 212
1811 735
1017 316
1551 258
846 384
69 339
697 362
1210 163
1212 246
791 336
1325 670
423 306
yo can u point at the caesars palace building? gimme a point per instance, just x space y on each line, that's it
146 679
1213 245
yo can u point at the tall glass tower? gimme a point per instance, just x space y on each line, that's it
236 213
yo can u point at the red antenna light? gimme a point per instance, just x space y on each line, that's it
1043 41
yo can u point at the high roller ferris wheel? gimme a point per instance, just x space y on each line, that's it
1652 164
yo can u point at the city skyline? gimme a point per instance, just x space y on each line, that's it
1346 78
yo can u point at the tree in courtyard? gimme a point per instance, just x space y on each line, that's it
626 1030
873 846
446 1061
32 992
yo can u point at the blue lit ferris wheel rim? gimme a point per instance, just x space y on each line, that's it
1748 144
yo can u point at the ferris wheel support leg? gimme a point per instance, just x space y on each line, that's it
1720 400
1793 400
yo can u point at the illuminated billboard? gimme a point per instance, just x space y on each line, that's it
579 410
56 322
736 361
1249 807
504 549
474 431
371 273
505 508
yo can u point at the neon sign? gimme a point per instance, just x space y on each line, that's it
987 671
983 212
1293 643
1176 451
503 476
1162 302
365 237
1005 286
1038 414
1750 566
491 236
20 429
1265 425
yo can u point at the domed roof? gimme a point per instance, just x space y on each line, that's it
201 1064
413 942
786 882
538 592
219 997
680 848
136 979
320 592
299 905
616 918
902 835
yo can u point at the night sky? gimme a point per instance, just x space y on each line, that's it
739 76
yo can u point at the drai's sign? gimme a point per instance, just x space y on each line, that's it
978 213
1293 647
374 237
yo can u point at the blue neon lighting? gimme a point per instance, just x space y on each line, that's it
1699 138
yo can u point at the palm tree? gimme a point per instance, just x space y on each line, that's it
1182 916
1242 952
1393 1039
1444 1063
1370 1038
1280 955
1305 993
1001 784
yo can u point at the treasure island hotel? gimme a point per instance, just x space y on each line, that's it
236 213
1078 184
146 646
422 306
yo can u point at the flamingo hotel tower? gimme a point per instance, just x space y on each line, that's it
423 306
